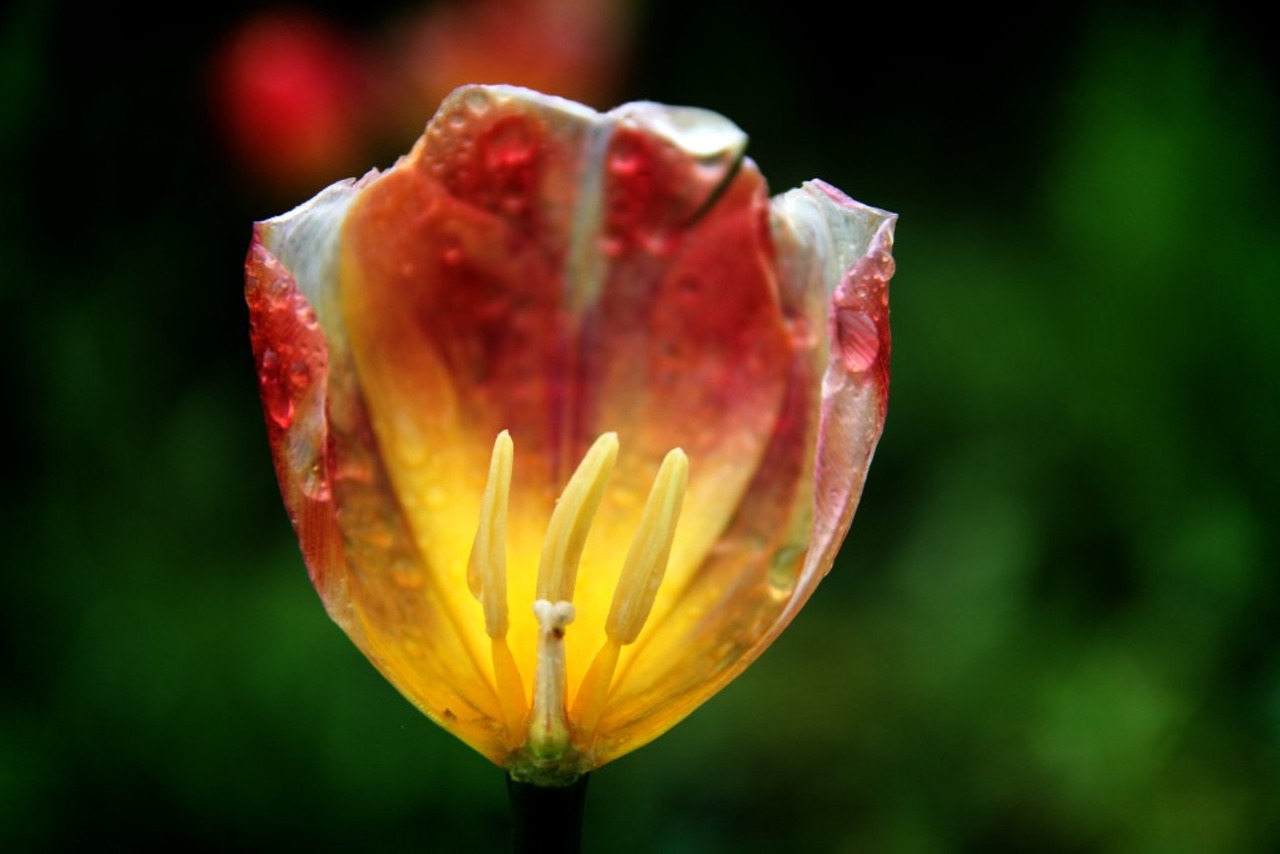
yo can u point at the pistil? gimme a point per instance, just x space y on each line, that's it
549 733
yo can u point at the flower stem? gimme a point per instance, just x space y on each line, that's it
546 818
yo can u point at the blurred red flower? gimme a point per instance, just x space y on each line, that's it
288 90
302 102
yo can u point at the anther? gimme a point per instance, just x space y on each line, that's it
650 550
557 575
571 521
487 578
642 573
487 568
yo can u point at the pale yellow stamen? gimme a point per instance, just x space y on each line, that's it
650 550
552 732
557 576
571 520
487 569
487 578
638 585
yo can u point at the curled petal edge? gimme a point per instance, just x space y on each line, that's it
856 243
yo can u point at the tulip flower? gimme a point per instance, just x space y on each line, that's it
569 417
289 93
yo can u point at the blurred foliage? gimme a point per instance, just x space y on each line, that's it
1054 625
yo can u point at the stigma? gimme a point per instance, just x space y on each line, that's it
546 726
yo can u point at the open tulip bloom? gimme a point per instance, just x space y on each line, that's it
570 418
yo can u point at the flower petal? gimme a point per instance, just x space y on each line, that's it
293 366
856 243
363 560
833 260
688 349
453 288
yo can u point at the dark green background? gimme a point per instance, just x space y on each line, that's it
1053 628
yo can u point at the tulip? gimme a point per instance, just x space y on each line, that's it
289 94
569 417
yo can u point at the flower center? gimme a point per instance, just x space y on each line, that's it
549 727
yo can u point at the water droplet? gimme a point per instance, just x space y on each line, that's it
611 247
514 203
299 377
451 254
410 451
355 470
508 146
307 317
407 578
315 485
659 243
508 160
624 161
378 536
858 339
276 397
277 289
279 406
784 569
802 336
477 101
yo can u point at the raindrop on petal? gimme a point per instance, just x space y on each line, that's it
307 316
275 391
407 578
784 569
858 339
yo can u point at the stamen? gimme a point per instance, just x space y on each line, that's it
549 725
638 585
549 734
571 520
594 688
510 687
650 550
487 578
487 568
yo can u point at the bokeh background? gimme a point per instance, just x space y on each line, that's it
1054 626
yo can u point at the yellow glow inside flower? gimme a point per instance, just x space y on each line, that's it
554 731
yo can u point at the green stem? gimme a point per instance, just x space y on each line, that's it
546 818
